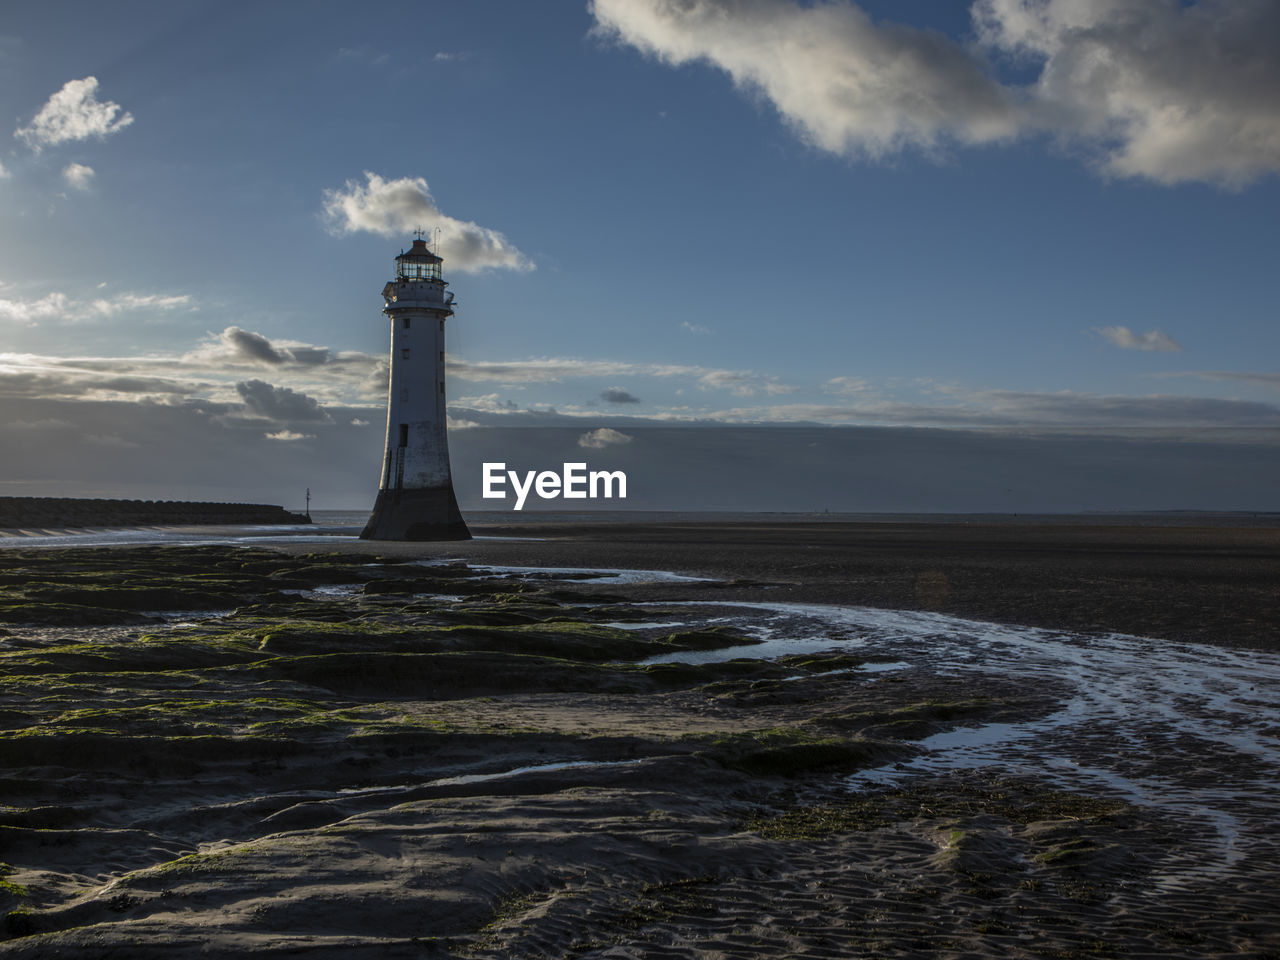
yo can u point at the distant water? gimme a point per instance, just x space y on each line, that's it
1151 518
347 524
326 526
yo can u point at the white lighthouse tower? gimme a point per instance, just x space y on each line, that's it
415 495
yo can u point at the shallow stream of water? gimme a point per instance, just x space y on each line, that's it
1189 728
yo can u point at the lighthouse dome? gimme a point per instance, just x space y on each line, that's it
419 263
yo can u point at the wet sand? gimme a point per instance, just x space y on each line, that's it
377 758
1209 584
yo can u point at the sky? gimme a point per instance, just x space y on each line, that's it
1026 243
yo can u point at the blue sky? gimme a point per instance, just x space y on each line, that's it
1037 216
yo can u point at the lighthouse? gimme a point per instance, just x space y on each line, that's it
415 493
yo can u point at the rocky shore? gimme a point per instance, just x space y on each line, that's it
357 754
46 512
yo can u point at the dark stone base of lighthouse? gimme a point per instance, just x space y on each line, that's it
416 515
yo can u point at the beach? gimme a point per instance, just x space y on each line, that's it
1185 580
681 738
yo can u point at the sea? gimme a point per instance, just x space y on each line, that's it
347 524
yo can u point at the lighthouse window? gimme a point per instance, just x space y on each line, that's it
405 353
404 434
406 323
442 355
442 388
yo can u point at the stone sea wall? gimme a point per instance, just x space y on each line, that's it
69 512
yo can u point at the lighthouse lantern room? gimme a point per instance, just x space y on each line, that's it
415 490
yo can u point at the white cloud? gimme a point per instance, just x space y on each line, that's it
553 369
341 393
78 175
389 207
49 378
604 437
743 383
365 54
74 113
288 436
488 403
332 376
1151 340
1173 92
846 84
217 369
127 302
1059 411
50 306
538 370
848 385
1169 91
58 306
4 174
1069 408
1269 380
695 328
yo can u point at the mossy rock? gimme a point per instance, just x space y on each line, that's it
324 574
789 753
145 655
713 677
441 676
561 639
136 598
484 616
822 662
68 615
582 597
913 721
172 756
417 585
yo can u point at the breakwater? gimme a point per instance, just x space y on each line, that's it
71 512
